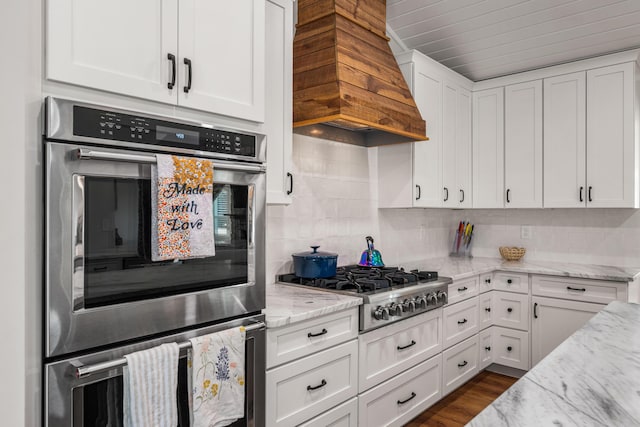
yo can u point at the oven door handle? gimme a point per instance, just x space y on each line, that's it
87 154
83 371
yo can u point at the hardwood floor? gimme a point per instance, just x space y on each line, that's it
459 407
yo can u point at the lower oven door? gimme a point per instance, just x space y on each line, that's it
95 399
99 272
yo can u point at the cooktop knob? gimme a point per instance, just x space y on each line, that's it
378 313
409 305
432 299
395 309
421 301
442 297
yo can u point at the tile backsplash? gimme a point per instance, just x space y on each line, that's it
335 206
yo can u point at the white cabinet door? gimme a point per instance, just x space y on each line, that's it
225 42
427 159
119 46
459 364
510 310
510 347
485 355
565 141
449 125
611 140
488 148
278 111
554 320
463 194
523 145
456 146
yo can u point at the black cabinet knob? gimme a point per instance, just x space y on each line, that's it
509 348
509 281
488 348
509 309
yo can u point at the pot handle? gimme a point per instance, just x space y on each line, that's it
315 249
369 242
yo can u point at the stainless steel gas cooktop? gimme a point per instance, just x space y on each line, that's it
389 293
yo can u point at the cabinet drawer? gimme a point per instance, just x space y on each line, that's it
486 282
391 350
586 290
462 289
301 339
485 310
307 387
460 321
460 363
345 415
510 310
512 282
402 398
510 348
485 355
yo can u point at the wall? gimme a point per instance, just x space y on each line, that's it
335 206
20 216
588 236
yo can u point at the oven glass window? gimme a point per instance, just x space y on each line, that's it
118 266
101 402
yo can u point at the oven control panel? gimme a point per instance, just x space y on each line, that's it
116 126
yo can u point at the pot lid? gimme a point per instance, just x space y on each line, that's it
315 253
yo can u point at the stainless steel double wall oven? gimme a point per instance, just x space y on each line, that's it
104 296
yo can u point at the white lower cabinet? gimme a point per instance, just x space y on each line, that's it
510 310
389 351
485 354
554 320
462 289
485 310
460 321
300 390
511 282
460 364
345 415
510 347
398 400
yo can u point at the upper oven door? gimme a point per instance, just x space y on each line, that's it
99 273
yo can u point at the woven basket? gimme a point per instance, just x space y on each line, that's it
511 253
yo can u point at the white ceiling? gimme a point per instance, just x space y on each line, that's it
482 39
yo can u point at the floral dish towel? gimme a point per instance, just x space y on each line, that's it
182 208
216 378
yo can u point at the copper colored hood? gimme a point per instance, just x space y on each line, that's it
345 75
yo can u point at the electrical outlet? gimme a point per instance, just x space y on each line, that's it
525 232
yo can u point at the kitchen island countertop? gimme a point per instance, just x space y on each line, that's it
461 268
288 304
591 379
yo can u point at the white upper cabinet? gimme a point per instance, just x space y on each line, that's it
224 43
202 54
523 145
488 148
612 136
565 141
427 164
120 46
434 173
278 112
456 146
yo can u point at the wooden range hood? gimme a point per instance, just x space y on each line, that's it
345 76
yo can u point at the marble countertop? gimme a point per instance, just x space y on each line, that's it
289 304
461 268
591 379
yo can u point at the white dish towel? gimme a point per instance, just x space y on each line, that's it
216 378
150 386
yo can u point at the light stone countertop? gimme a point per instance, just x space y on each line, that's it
591 379
290 304
461 268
